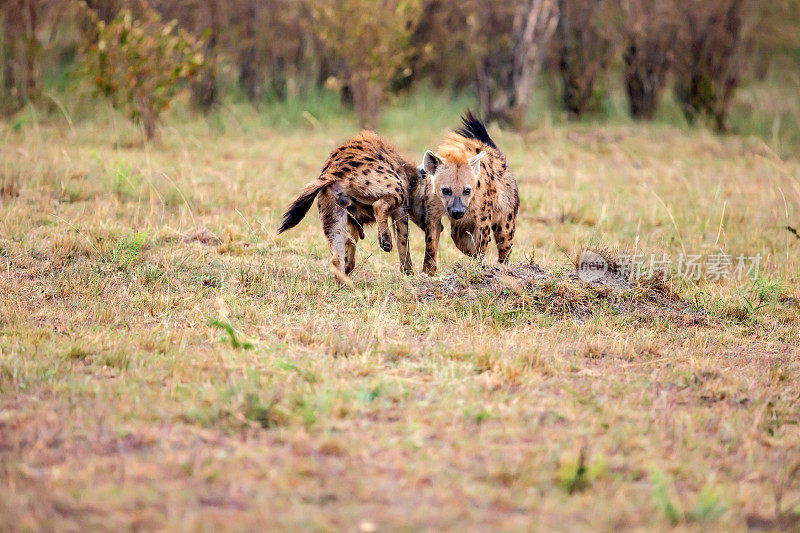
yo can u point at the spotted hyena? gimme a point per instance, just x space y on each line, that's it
363 181
468 180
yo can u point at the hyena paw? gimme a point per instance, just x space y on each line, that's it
429 269
341 277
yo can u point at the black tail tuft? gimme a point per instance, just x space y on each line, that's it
299 208
473 128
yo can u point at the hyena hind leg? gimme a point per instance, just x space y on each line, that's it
334 224
433 230
400 218
351 242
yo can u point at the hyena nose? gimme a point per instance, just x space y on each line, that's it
457 212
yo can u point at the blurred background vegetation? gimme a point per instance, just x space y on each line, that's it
731 65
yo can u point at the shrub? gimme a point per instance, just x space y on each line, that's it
141 64
277 54
205 92
28 31
712 45
585 46
650 29
372 39
447 31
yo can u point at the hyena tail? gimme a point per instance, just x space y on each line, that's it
300 207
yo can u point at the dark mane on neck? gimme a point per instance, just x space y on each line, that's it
473 128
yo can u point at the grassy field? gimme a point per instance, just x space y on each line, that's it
166 361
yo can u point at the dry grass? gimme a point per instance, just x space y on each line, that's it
167 362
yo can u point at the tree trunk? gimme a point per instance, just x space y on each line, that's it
642 97
9 55
148 118
505 93
482 88
366 99
645 77
540 23
711 61
22 47
650 35
150 128
248 72
585 51
204 91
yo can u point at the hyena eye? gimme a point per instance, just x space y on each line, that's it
467 191
446 191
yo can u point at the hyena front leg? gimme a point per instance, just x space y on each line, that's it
472 241
400 218
382 208
504 237
465 239
483 230
483 237
433 230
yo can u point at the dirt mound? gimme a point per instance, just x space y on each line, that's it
203 236
577 290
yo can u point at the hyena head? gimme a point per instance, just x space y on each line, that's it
453 183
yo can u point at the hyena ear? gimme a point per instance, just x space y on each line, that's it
431 163
475 163
421 172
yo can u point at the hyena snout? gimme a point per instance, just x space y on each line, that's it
457 209
457 212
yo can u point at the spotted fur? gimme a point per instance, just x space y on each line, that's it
364 180
470 183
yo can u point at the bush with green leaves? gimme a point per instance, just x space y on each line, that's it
372 41
141 63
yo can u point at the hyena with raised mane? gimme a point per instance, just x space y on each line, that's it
364 180
469 181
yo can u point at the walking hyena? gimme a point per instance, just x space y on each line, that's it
363 181
469 180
